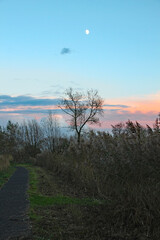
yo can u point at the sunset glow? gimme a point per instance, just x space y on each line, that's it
144 109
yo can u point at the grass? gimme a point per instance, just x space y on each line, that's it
58 211
6 174
39 200
55 212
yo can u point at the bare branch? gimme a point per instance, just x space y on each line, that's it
82 108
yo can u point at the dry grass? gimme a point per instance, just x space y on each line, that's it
122 169
125 216
5 161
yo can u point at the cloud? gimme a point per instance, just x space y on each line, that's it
30 111
65 51
114 117
47 92
9 101
18 108
144 110
74 83
116 105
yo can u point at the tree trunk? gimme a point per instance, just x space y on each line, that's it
78 138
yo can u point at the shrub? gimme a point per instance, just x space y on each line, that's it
5 161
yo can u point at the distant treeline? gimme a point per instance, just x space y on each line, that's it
32 137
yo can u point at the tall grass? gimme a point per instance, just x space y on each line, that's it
5 161
122 168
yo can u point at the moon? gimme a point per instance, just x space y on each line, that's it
87 31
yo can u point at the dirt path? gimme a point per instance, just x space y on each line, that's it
14 223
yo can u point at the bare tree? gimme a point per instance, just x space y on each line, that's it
51 129
82 109
32 136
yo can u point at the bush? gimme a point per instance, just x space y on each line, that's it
5 161
122 168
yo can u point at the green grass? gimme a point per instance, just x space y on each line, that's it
37 199
6 174
40 200
46 212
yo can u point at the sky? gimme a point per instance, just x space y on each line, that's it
44 49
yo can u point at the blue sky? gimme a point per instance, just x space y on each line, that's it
120 57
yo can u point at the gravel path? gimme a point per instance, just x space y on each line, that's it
14 223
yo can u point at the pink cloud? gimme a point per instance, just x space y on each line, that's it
145 104
144 109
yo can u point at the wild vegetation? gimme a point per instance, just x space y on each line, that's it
119 170
5 174
5 161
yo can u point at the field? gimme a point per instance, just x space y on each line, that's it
105 188
59 211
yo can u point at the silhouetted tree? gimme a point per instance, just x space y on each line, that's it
82 109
